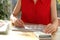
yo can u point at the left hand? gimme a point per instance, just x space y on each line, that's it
50 28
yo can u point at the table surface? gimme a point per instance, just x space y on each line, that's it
15 35
18 35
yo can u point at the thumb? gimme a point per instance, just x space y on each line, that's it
48 25
21 22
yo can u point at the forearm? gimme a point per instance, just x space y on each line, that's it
17 8
14 15
54 18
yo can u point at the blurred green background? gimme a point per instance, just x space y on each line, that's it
58 7
58 4
4 10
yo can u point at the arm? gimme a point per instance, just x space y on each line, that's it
52 27
14 16
16 10
54 12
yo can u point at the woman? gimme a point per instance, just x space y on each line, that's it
36 12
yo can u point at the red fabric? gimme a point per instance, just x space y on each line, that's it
39 13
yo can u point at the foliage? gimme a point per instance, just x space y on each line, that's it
4 9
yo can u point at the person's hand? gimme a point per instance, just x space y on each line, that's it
50 28
19 23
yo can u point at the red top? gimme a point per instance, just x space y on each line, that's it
38 13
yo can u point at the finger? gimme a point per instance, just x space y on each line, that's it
50 30
17 23
48 27
53 31
21 22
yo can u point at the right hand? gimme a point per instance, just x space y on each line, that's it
19 23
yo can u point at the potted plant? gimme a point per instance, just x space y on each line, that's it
4 13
